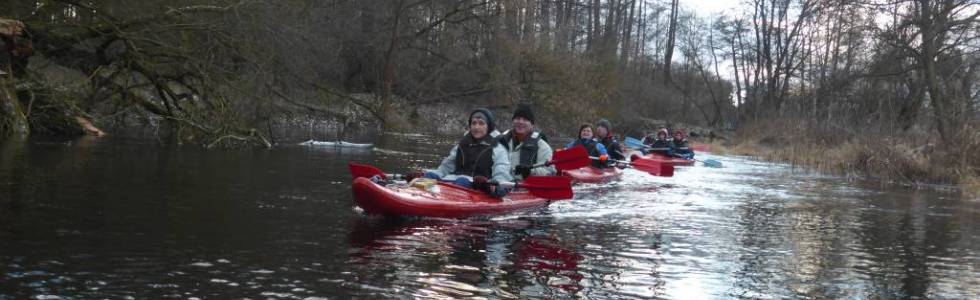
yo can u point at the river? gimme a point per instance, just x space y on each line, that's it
133 219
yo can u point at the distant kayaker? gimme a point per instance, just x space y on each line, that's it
660 144
525 146
476 159
603 132
679 146
587 140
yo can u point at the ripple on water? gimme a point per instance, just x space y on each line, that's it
748 230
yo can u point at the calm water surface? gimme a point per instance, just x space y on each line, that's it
124 219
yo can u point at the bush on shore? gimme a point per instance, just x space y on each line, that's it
913 157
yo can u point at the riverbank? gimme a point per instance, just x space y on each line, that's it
911 158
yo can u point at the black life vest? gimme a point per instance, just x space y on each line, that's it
661 147
475 157
681 147
529 149
649 140
590 147
593 151
612 147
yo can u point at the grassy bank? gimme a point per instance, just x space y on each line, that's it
912 158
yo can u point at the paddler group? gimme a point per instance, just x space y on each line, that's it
663 145
487 172
484 156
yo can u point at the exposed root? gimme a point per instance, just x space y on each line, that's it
88 127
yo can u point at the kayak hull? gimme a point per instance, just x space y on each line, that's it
593 175
674 161
445 201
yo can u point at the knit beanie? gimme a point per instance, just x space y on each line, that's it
484 114
524 111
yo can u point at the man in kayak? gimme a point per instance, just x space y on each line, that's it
476 159
659 144
525 146
595 149
679 146
603 132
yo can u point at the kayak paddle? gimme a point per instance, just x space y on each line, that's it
634 143
711 163
644 165
637 144
548 187
568 159
655 168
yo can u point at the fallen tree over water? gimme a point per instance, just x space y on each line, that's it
169 69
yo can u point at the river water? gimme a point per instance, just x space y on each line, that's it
125 219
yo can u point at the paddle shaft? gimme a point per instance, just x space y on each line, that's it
552 188
547 163
503 184
571 158
612 160
639 144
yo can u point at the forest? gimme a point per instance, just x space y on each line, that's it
880 88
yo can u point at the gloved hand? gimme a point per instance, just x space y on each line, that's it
524 171
412 175
481 183
603 158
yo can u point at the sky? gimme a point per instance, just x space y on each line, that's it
710 7
706 8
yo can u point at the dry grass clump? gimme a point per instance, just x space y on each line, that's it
971 187
904 157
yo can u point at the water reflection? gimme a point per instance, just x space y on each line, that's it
464 258
114 219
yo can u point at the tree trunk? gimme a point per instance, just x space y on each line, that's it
738 84
671 34
13 122
388 81
544 18
593 26
527 33
628 36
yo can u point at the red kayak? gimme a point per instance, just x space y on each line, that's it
592 174
701 147
674 161
445 201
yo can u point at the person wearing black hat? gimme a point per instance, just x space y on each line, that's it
477 159
525 146
604 134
